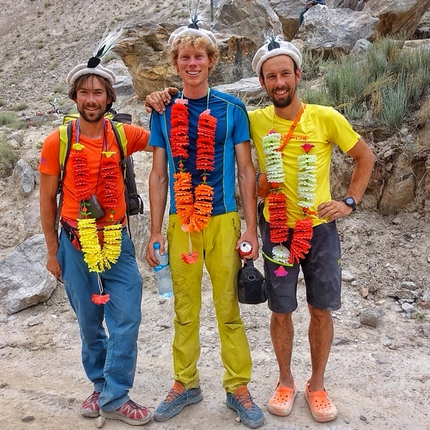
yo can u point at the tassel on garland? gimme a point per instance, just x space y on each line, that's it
281 272
191 256
102 298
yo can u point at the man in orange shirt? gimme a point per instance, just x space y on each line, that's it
93 255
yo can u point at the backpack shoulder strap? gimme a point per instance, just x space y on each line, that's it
65 139
121 138
65 144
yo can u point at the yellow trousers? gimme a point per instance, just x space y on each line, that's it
216 248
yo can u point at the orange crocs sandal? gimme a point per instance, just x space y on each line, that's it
282 401
322 409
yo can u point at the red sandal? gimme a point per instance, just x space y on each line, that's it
322 409
282 401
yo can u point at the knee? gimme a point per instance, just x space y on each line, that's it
319 314
281 319
227 308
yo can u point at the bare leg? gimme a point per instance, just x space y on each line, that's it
320 340
282 333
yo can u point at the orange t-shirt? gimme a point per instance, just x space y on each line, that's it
137 139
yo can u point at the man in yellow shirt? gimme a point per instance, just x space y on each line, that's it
294 143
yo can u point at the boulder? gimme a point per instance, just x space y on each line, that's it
253 19
400 18
248 90
395 18
399 189
335 31
25 176
24 280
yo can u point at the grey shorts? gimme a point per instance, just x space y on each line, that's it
321 269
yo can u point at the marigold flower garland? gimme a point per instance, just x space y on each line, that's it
98 258
277 200
194 209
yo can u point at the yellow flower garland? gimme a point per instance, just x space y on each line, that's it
97 258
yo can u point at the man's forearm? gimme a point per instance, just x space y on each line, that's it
157 202
48 214
364 162
248 196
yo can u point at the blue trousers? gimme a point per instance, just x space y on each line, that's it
302 16
109 358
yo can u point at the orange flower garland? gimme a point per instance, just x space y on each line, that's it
98 258
300 243
193 209
277 206
109 175
80 172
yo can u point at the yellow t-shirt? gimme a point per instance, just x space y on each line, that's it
320 126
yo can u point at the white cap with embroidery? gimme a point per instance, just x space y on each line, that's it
272 48
85 69
192 30
93 67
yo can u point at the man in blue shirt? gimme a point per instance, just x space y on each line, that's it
198 141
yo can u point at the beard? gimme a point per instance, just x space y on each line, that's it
95 117
285 102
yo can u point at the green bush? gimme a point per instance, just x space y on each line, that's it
395 104
7 118
19 106
384 85
316 96
8 159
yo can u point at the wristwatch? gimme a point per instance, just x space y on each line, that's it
349 201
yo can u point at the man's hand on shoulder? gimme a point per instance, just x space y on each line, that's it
158 100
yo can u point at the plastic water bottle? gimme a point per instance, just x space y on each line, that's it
162 273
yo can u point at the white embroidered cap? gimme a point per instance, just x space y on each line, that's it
273 48
84 69
198 32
